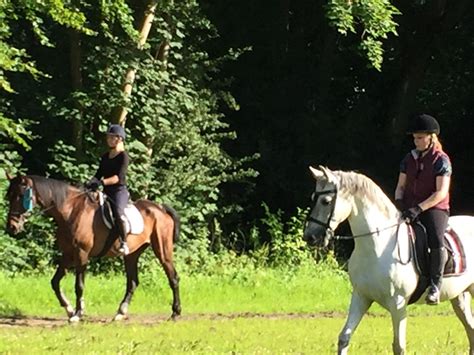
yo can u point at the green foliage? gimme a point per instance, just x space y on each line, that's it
16 59
33 250
67 165
286 246
175 129
372 19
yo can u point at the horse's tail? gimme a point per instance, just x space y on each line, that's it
176 218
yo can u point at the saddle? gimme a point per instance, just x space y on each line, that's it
455 264
134 219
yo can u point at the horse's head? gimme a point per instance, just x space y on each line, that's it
329 208
20 196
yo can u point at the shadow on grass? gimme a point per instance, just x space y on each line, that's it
9 311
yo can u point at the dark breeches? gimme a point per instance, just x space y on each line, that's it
119 199
435 222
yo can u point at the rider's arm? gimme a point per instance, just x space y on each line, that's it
400 190
442 189
114 179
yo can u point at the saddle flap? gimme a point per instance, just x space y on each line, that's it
456 263
106 210
134 220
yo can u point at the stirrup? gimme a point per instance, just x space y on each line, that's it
123 249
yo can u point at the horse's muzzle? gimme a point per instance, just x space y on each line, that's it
314 240
13 228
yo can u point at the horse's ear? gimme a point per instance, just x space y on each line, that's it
328 173
8 175
316 173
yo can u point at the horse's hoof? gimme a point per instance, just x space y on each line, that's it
69 311
174 317
119 316
74 319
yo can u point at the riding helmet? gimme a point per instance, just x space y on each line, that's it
116 130
424 124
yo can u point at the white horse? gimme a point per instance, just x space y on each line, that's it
380 267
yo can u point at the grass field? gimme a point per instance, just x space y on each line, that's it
270 312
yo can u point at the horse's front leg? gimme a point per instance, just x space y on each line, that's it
131 269
79 288
398 311
56 285
359 306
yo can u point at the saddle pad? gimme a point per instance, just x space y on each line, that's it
135 223
456 263
134 219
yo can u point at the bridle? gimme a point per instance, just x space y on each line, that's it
26 202
327 225
28 205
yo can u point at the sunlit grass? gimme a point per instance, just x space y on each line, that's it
302 311
252 335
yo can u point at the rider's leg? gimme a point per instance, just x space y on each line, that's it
436 222
121 201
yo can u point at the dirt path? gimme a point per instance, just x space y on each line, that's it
49 322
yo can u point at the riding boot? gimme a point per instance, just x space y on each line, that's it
122 234
438 259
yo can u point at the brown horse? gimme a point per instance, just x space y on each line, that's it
82 234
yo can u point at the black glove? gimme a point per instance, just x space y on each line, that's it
412 213
94 184
399 204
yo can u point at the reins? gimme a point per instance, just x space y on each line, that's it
377 231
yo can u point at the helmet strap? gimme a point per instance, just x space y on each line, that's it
428 148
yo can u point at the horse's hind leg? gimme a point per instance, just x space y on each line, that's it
165 254
55 284
173 280
131 269
462 306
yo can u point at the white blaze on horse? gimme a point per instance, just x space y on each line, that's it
382 268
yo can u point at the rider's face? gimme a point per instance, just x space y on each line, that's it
112 140
422 140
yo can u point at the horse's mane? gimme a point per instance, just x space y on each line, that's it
362 186
51 190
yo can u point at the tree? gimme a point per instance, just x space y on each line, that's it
16 59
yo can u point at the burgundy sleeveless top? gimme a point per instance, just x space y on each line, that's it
421 176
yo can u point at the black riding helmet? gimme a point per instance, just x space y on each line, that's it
424 124
116 130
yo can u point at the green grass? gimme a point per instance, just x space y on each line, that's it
255 335
264 291
294 304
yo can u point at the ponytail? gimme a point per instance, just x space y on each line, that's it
436 142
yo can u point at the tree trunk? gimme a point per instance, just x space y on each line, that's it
130 76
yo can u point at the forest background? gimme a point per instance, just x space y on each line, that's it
226 104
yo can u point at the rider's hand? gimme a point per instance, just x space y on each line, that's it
93 184
412 213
